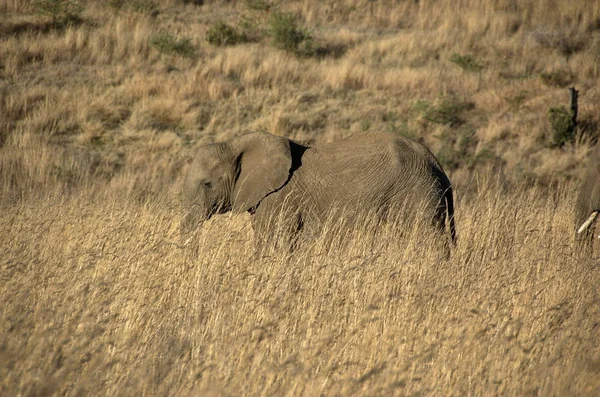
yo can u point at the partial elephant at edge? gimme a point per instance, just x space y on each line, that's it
587 206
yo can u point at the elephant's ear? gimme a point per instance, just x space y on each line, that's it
264 163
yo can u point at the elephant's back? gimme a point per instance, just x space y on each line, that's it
372 167
381 150
378 142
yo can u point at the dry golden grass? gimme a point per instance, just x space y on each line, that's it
99 298
97 126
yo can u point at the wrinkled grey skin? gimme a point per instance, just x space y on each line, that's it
282 182
588 200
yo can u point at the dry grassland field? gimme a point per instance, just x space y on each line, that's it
102 105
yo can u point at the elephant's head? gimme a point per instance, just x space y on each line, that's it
234 175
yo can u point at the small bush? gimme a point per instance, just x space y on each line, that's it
62 12
254 20
421 106
331 50
563 126
447 111
516 102
139 6
466 62
365 124
403 129
287 36
222 34
458 148
566 45
169 44
557 78
258 5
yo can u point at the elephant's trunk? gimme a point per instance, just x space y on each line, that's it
588 222
187 226
198 214
195 216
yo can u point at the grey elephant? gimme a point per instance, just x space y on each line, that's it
588 201
280 181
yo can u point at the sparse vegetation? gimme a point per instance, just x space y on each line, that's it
142 6
259 5
466 62
516 102
447 110
458 148
563 127
61 12
169 44
100 119
222 34
557 78
287 35
259 21
559 41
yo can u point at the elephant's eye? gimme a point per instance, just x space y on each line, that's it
206 184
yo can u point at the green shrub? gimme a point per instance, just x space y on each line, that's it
365 124
421 106
258 5
62 12
557 78
447 110
566 45
466 62
457 141
287 36
254 19
140 6
516 102
458 148
222 34
563 126
169 44
403 129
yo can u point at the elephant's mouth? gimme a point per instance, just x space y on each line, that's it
219 208
223 209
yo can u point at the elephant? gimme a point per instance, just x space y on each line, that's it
588 201
276 179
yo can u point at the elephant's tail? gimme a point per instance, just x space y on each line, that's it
450 208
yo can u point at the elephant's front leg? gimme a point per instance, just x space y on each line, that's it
277 228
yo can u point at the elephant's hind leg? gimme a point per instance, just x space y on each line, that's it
439 225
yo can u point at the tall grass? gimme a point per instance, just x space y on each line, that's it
99 297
